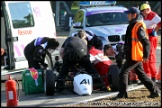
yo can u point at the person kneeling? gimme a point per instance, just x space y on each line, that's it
74 51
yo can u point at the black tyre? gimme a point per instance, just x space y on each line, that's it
49 82
113 77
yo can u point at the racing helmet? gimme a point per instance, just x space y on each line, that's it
145 6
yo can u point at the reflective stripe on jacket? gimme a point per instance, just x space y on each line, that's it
137 48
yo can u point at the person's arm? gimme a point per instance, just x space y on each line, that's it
62 50
157 20
157 28
145 42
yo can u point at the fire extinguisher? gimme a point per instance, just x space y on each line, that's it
12 96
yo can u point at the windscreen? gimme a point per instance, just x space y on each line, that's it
100 18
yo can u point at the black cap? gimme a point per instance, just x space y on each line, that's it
133 10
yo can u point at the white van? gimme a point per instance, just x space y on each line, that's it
21 22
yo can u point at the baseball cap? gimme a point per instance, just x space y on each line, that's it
144 6
133 10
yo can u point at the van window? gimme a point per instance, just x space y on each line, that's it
21 14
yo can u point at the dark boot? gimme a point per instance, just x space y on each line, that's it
154 95
119 96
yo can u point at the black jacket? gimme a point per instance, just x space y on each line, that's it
142 37
75 46
31 47
32 52
74 43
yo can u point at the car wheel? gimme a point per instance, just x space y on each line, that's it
49 82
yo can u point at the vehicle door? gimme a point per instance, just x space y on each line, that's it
20 15
6 39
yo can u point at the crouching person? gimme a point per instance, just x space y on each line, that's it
36 51
115 51
103 65
74 51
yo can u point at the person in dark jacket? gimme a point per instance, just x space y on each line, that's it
74 51
36 51
137 49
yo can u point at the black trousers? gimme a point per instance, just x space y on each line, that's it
30 58
137 66
119 63
71 58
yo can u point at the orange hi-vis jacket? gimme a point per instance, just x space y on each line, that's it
137 48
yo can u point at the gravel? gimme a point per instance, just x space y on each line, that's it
136 98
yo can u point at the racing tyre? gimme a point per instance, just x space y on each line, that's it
49 82
113 76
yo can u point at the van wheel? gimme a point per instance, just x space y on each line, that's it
49 82
113 77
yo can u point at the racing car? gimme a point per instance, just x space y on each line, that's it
78 79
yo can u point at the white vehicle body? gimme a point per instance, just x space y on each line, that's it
22 22
111 31
83 84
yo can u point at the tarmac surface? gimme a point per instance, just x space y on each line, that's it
67 97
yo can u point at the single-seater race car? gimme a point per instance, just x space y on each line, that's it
79 80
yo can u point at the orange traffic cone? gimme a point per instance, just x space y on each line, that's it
159 75
133 78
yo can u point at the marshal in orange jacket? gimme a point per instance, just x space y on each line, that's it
137 48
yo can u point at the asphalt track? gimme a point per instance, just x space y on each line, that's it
67 97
